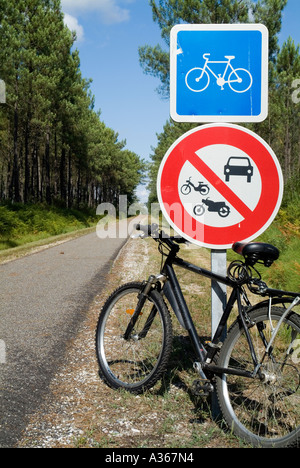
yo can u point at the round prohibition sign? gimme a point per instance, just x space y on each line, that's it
253 220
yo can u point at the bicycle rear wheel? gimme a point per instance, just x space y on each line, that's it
133 360
264 412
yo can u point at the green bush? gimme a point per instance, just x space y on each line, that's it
10 223
24 223
284 233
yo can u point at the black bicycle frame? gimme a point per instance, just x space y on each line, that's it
173 293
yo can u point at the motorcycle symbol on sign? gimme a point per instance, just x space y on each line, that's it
216 207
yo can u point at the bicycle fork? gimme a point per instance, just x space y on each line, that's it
143 296
171 290
175 297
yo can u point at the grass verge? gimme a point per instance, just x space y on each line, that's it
27 228
8 255
22 224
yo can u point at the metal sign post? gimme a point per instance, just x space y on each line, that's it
218 305
218 291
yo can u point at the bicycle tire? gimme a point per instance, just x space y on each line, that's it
232 82
264 414
192 82
135 364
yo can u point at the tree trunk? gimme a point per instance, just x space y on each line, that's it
70 198
63 192
47 167
16 170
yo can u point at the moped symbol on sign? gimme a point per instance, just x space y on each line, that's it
219 73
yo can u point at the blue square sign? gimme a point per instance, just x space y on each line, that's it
219 73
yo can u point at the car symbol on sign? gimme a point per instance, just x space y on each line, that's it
238 166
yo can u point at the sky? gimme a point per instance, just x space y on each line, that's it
109 33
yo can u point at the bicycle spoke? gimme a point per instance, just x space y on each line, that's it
268 406
133 342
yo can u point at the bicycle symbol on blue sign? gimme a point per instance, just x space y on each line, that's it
219 73
239 80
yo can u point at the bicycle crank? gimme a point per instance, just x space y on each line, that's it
221 82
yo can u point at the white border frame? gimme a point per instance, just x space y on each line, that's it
217 118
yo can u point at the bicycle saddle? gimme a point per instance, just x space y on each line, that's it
230 57
257 252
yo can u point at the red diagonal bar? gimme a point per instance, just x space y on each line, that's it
220 186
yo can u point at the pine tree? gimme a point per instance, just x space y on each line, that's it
54 145
288 66
154 60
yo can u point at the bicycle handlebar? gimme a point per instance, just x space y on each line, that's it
146 229
153 231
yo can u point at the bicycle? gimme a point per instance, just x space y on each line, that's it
255 371
239 80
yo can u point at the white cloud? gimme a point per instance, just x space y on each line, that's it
73 25
110 10
142 194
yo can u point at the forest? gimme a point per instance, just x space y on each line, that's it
281 129
55 149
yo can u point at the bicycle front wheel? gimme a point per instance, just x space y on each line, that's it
197 80
133 360
263 411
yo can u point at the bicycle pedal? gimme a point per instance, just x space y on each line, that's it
214 346
202 388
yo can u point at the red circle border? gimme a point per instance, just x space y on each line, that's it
258 151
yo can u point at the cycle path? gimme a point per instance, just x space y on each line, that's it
43 299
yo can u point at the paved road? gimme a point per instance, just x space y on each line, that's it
43 299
